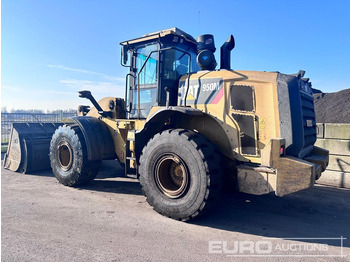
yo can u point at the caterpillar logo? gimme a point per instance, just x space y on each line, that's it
192 92
201 91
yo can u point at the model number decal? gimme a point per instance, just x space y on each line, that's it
211 87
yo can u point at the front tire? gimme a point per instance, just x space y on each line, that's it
180 173
68 157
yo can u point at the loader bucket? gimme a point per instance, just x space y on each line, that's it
28 149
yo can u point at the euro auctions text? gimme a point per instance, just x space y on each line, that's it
278 247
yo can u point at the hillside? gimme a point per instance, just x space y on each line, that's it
332 107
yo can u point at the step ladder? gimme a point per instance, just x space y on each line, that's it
130 159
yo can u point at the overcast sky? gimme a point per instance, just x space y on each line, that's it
50 49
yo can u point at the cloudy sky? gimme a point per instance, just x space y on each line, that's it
52 49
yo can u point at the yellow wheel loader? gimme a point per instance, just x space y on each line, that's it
184 127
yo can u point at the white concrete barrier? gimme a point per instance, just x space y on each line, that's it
336 139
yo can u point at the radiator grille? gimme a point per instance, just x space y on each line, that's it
309 122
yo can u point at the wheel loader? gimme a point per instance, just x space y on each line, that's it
185 128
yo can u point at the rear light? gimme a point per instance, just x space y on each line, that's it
282 151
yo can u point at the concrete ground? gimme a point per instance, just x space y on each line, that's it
110 220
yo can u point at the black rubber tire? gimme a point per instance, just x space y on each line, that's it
203 165
81 170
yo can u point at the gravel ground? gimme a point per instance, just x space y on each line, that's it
110 220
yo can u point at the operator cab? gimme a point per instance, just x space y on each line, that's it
156 62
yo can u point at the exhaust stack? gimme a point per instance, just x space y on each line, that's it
225 50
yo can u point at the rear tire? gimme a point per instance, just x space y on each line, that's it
180 174
68 157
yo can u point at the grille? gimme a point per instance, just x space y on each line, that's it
308 123
297 114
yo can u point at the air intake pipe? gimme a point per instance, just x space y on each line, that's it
205 52
225 50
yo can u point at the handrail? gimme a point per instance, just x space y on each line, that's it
127 90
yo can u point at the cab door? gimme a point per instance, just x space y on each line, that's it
144 91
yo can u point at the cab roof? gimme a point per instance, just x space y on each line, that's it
160 34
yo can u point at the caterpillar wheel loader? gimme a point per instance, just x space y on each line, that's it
184 128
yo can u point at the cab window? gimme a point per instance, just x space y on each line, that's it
146 80
148 75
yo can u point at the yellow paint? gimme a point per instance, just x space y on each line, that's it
266 113
266 107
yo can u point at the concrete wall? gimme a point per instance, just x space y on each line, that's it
335 138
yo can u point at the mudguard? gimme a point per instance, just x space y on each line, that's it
98 139
185 118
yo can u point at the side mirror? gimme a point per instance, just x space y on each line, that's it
125 54
85 94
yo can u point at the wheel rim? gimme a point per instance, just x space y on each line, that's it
171 176
64 155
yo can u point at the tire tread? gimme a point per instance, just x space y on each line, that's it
210 159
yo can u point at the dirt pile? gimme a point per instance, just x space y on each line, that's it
332 107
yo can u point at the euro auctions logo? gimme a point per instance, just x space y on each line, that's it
279 247
240 247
